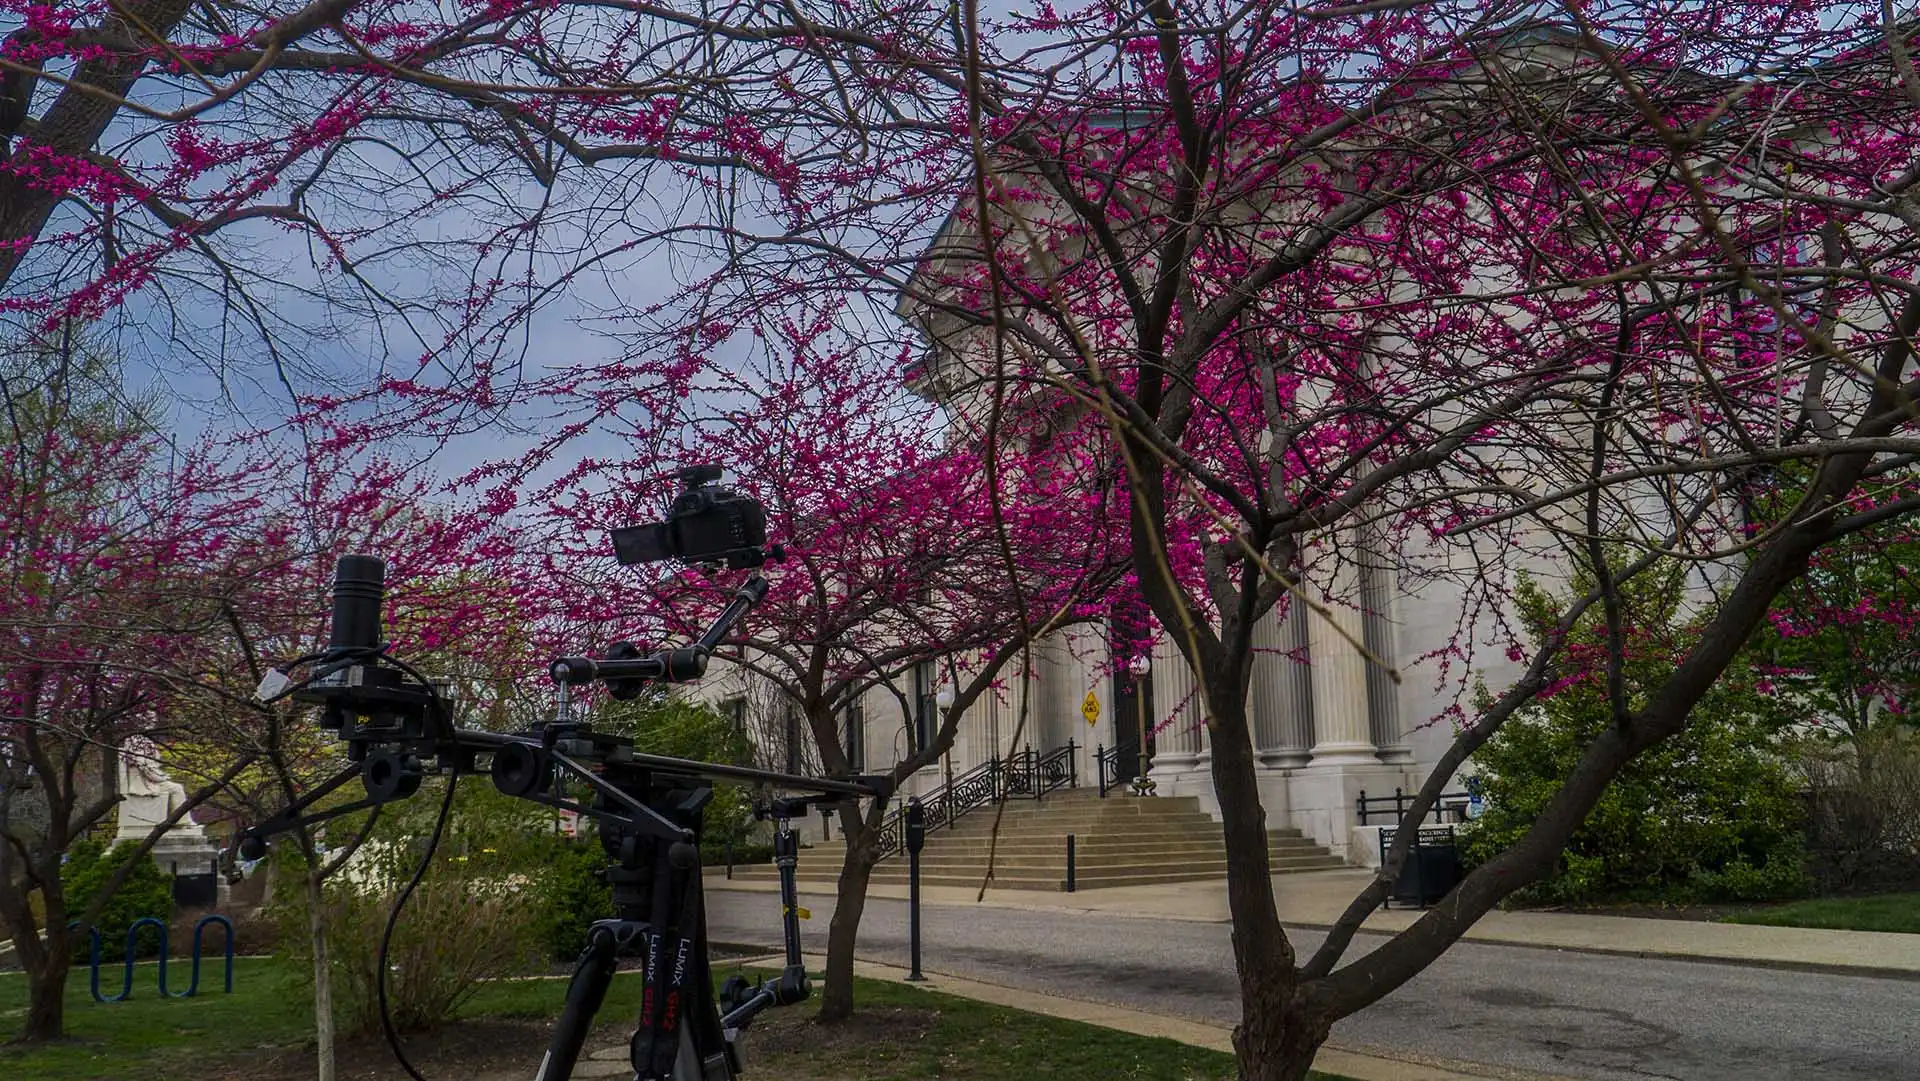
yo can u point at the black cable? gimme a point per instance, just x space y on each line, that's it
433 693
393 918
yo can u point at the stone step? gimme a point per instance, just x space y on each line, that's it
1005 878
943 843
1050 814
1101 857
1087 882
1120 840
1093 842
1183 861
830 869
983 822
1111 805
888 871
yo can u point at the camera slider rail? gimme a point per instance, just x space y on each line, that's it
534 766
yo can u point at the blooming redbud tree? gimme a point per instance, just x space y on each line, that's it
149 583
1438 285
117 552
905 543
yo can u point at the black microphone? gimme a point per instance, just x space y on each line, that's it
359 583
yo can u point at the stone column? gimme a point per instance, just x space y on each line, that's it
1063 679
1323 797
1280 694
1383 694
1177 703
1343 731
1180 765
1047 692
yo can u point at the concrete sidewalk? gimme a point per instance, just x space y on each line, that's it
1316 900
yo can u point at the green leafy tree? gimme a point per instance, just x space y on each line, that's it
572 893
1711 815
663 724
1840 642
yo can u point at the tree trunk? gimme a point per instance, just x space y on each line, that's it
1273 1042
47 993
47 962
850 900
1277 1035
322 971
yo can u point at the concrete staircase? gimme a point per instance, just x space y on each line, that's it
1121 840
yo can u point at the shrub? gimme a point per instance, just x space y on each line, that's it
471 918
1710 815
743 854
147 891
663 724
570 894
449 939
1863 803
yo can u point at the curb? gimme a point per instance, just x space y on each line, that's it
1778 964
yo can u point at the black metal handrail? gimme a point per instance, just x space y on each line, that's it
1450 807
1021 775
1057 769
1108 764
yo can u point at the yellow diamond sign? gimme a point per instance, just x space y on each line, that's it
1090 708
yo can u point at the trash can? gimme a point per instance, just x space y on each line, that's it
1431 870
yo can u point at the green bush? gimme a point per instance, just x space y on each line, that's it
662 724
570 894
743 854
1709 815
472 918
147 891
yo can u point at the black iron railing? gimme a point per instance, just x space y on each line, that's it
1450 807
1022 775
1111 765
1051 771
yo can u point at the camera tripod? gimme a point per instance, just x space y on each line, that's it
681 1035
651 811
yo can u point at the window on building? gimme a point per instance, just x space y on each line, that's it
791 735
926 708
735 711
855 735
1786 263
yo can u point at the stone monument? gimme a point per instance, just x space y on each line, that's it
147 797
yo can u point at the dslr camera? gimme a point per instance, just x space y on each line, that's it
705 524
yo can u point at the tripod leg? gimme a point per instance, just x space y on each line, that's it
786 856
793 985
591 977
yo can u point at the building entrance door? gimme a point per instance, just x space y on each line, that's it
1129 694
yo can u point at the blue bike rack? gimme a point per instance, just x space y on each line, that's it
126 983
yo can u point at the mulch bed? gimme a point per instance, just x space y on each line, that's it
465 1049
786 1042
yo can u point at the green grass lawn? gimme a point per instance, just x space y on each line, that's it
902 1033
1883 912
268 1007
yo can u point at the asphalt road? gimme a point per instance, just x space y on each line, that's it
1572 1014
